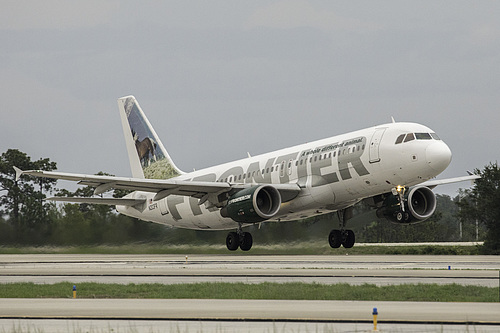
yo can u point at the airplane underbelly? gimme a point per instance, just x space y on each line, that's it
323 195
177 211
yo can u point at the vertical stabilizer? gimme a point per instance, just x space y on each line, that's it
147 155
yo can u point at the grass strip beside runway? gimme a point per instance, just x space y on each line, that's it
291 291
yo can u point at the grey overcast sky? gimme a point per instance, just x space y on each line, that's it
220 78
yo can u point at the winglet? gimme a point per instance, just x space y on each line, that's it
19 173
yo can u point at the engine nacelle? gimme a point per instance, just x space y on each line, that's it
254 204
420 204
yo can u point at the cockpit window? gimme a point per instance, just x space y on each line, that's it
409 137
435 136
419 136
423 136
400 138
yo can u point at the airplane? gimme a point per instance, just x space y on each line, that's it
391 167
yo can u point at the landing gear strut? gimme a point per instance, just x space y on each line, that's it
401 215
240 239
342 237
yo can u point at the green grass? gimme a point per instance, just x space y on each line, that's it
303 248
292 291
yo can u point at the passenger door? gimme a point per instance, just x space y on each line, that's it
375 145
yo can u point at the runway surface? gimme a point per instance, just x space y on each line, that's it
174 269
248 315
250 310
181 326
483 316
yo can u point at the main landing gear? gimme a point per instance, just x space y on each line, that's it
342 237
240 239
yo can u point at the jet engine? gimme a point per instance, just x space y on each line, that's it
419 205
252 205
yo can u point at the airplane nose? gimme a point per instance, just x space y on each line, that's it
438 156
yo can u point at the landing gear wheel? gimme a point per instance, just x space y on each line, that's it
399 216
402 217
348 239
232 241
246 241
335 238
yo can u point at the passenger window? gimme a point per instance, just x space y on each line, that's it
400 139
409 137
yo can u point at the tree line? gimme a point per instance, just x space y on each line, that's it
26 219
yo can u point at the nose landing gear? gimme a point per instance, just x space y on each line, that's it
402 215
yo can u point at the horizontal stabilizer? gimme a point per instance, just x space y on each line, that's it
101 201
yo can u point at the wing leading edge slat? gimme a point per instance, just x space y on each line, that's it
101 201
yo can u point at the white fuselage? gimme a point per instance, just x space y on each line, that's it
333 174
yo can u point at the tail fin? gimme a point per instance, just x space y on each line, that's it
147 155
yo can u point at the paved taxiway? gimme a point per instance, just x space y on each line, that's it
172 269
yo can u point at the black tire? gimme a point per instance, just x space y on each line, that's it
400 216
246 241
349 239
335 239
407 217
232 241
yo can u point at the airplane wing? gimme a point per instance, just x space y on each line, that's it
435 182
162 187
